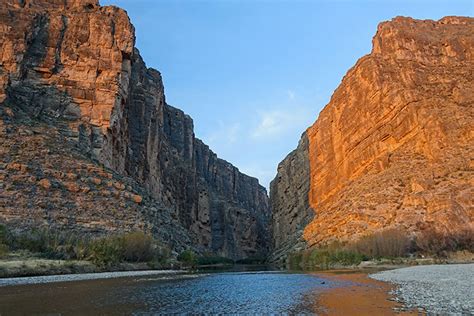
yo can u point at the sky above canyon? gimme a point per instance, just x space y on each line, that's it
254 74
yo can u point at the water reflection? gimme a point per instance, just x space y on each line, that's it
218 293
230 293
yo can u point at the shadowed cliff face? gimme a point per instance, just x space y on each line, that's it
289 200
394 146
73 65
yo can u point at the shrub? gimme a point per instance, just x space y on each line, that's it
81 249
161 253
295 260
323 258
4 234
208 260
252 260
137 247
105 251
3 250
48 243
133 247
390 243
464 239
327 258
346 257
34 240
188 257
438 243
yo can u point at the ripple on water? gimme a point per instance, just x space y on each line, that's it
230 293
219 293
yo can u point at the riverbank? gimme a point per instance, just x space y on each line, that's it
438 289
384 263
362 296
87 276
30 265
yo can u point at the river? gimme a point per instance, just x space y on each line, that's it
210 293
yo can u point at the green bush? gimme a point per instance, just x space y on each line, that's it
3 250
80 249
347 257
188 257
48 243
132 247
295 261
328 258
323 258
34 241
253 260
209 260
4 234
162 253
105 251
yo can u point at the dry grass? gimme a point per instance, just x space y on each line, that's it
137 247
389 243
439 243
102 251
36 266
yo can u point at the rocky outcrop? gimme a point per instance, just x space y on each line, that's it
47 181
394 146
291 211
72 65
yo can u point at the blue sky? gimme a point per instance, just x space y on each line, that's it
254 74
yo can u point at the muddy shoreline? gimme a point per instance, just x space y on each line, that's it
363 296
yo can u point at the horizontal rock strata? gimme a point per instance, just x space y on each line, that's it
394 147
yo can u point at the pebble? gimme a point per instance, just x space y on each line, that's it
437 289
82 277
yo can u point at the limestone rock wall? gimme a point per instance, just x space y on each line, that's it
72 64
394 146
226 211
289 202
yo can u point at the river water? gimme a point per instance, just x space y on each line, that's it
215 293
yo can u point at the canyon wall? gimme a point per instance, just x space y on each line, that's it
394 147
289 198
71 76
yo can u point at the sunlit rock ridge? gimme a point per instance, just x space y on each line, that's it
88 142
393 148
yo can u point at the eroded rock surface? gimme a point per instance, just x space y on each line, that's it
70 69
394 147
289 202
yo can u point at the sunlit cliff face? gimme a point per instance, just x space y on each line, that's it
394 147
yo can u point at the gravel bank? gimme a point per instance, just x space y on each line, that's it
84 276
438 289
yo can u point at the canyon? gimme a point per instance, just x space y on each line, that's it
88 143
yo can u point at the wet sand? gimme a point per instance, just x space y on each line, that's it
364 296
